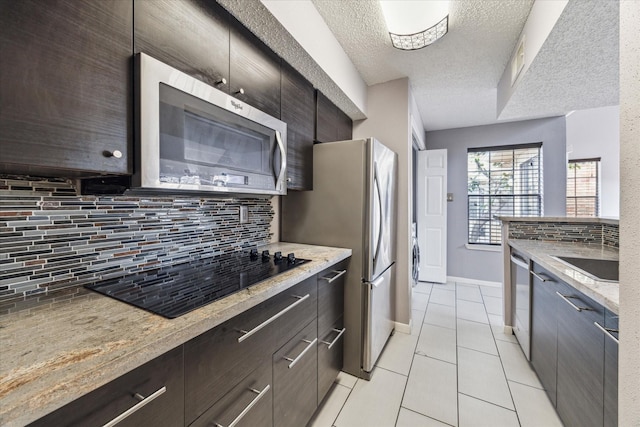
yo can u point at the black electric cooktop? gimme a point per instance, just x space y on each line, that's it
177 289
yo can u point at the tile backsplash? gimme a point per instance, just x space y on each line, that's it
53 238
584 232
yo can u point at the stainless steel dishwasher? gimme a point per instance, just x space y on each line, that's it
521 291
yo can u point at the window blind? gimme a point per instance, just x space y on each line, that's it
502 181
583 187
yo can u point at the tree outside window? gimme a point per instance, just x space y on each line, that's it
502 181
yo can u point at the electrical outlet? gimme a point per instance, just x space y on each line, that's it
244 214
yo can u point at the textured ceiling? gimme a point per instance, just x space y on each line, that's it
454 81
577 67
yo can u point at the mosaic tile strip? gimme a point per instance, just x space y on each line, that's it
606 234
51 238
611 235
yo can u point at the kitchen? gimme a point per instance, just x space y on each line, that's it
181 218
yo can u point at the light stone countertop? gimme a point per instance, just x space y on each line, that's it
541 252
53 354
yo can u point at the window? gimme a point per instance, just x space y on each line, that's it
502 181
583 187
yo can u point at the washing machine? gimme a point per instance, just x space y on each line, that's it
415 267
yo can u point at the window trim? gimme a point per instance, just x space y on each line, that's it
539 194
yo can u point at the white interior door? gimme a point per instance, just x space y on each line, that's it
432 215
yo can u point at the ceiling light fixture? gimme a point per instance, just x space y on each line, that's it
414 24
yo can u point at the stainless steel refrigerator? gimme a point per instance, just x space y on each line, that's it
353 205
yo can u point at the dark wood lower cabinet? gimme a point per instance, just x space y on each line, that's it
544 329
216 361
159 382
574 351
260 368
611 369
330 353
580 359
248 404
295 370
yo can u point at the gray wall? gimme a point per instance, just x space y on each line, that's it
487 265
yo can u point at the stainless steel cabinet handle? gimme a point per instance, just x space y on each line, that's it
335 340
297 359
519 262
247 334
143 401
240 91
331 279
222 81
283 161
542 277
566 299
260 395
607 331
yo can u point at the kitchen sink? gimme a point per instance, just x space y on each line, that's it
598 269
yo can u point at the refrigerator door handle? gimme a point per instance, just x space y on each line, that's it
376 182
377 282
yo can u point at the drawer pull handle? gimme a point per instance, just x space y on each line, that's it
566 299
247 334
297 359
542 277
607 331
338 274
260 395
142 402
335 340
520 262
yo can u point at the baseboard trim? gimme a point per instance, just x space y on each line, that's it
403 327
474 281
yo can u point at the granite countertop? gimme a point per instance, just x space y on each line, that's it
541 252
53 353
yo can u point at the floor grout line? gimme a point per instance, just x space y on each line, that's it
505 375
418 333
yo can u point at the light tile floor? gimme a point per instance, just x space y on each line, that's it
456 368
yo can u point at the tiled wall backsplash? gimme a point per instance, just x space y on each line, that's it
51 238
606 234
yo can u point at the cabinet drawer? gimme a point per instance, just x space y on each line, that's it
159 383
580 386
249 403
295 391
330 350
331 295
217 360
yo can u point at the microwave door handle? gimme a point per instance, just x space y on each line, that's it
283 162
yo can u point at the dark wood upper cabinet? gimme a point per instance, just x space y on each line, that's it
344 126
254 71
298 112
65 87
331 123
190 35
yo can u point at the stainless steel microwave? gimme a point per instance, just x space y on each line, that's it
191 136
